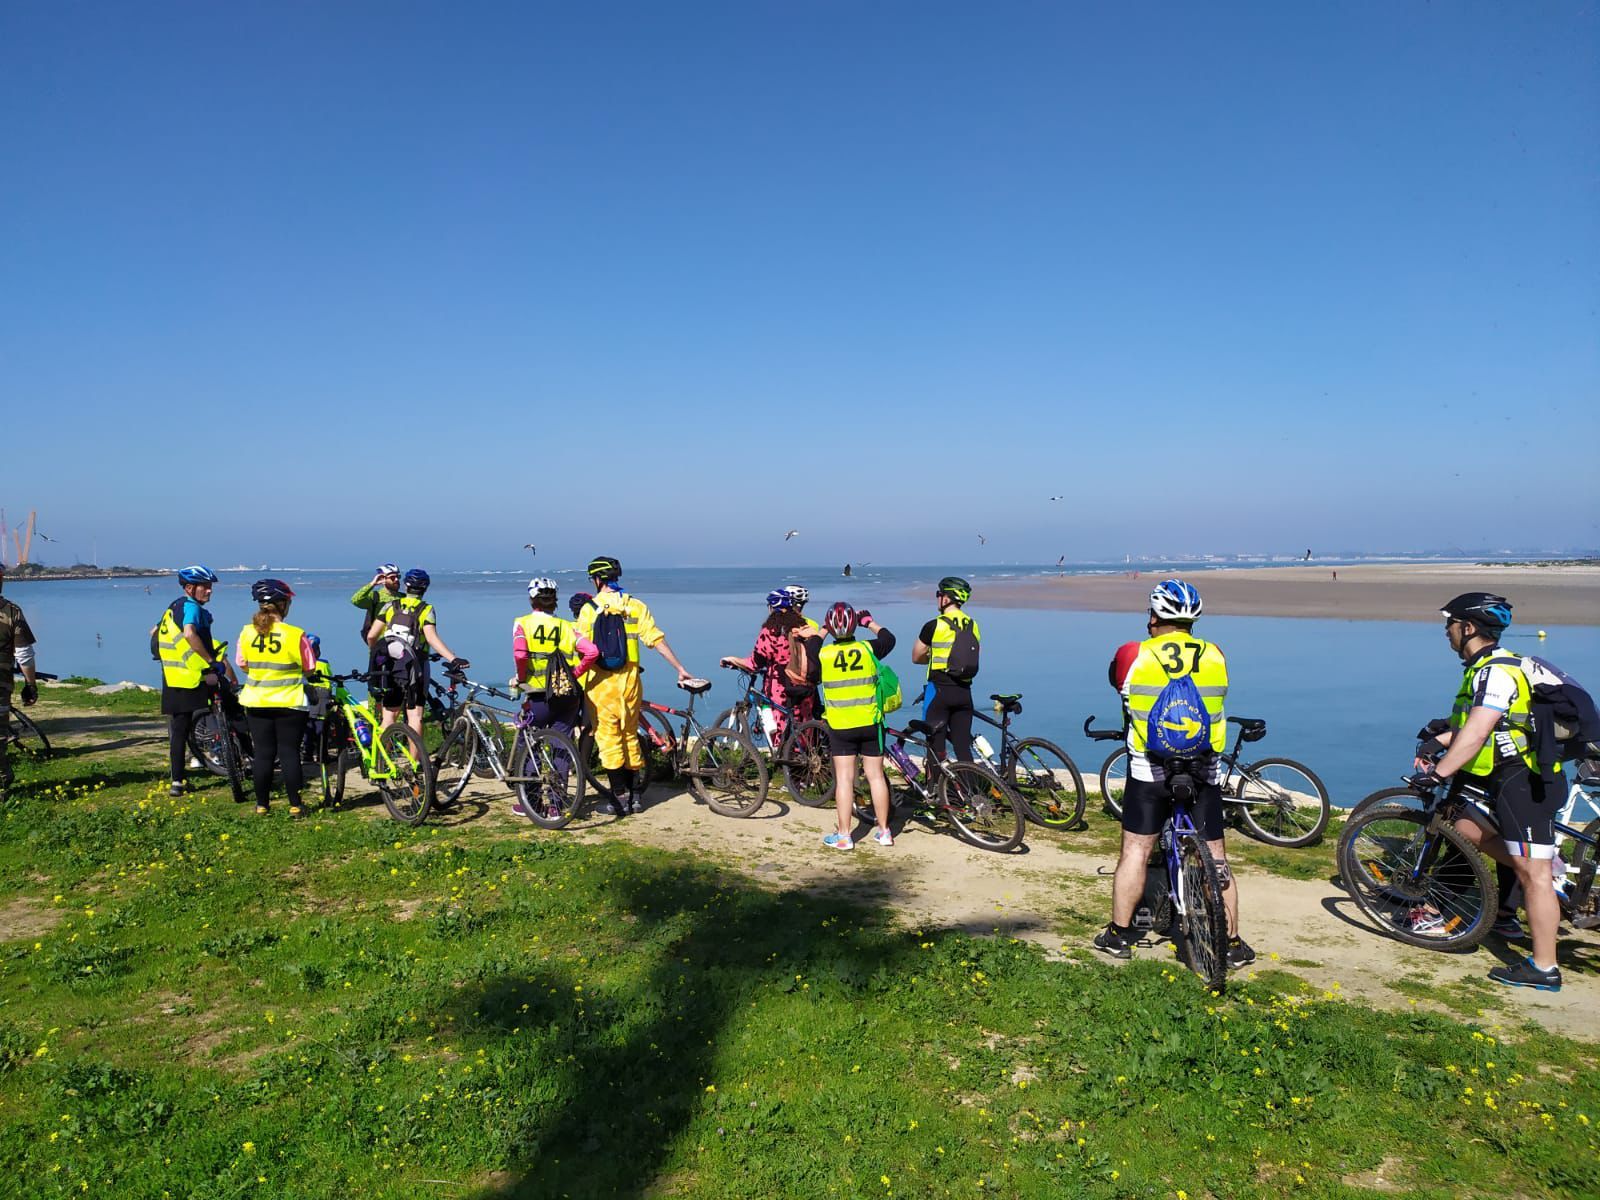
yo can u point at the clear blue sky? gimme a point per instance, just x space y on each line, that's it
666 280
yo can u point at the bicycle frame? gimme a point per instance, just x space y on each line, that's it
350 708
754 699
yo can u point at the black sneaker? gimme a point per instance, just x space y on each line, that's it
1239 953
1507 926
616 807
635 803
1525 974
1113 943
175 788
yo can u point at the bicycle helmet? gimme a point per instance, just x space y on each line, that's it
417 581
540 583
197 574
798 594
840 621
957 588
386 569
605 568
1175 600
779 599
265 591
1489 612
316 643
577 600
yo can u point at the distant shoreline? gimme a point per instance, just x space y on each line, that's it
108 573
1554 594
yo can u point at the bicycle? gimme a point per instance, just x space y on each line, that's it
803 755
1040 771
980 805
1278 801
473 736
393 758
215 738
25 734
1194 905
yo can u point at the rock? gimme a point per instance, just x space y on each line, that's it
110 689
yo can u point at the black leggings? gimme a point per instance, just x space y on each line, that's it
276 733
950 705
179 727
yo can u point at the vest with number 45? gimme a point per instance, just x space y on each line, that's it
272 661
1177 686
849 684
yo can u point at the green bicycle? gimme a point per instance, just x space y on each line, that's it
393 759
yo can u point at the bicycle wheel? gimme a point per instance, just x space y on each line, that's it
333 756
1403 796
728 773
1422 886
736 718
233 763
1582 904
1204 924
205 741
548 778
1282 802
1113 779
1048 782
657 741
808 764
454 764
408 792
29 738
985 811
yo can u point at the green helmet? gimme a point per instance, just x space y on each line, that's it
956 588
605 568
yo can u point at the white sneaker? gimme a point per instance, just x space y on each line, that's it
883 837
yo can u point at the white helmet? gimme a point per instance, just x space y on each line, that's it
1175 600
797 594
540 583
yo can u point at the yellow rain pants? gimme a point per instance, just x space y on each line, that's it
614 700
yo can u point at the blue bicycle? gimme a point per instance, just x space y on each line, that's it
1192 914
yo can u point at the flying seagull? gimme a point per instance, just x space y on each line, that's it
1058 497
529 546
790 534
982 541
1061 560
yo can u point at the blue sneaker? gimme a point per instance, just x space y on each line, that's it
838 841
1525 974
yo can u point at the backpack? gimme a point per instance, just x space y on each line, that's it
559 681
962 665
611 636
887 688
1565 720
1179 726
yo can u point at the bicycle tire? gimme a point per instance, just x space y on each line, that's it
1286 819
1389 795
736 718
808 764
547 796
205 741
981 806
1582 905
1113 779
332 751
1378 858
728 773
455 763
409 794
1204 922
657 752
1046 797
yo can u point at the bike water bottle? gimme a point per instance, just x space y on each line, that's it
364 733
769 724
981 744
903 761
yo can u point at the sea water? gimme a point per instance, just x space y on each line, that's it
1343 697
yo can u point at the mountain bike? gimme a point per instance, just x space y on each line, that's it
984 810
1040 771
216 738
1194 910
803 756
393 759
723 767
467 736
25 735
1278 801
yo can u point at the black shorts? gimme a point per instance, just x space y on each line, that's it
1147 805
1524 813
866 741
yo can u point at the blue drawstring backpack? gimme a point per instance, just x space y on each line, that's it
1178 726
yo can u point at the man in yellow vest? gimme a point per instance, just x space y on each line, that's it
1489 743
947 696
191 666
16 646
1171 651
618 623
542 644
400 638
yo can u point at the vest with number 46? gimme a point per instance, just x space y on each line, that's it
1161 660
272 661
849 684
955 646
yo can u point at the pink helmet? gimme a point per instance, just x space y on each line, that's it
841 620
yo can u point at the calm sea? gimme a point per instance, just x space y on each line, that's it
1342 696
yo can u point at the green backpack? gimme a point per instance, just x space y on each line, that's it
887 688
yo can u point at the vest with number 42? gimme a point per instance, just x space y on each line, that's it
272 661
1171 656
849 684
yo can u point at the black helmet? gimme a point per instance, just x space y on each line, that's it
265 591
605 568
957 588
577 600
1489 612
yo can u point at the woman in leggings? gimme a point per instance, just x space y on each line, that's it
276 656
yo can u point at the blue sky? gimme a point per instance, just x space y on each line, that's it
430 281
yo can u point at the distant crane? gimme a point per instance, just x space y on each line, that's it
21 540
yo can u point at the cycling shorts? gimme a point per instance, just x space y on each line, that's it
1518 809
1146 805
867 741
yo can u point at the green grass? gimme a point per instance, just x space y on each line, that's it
197 1002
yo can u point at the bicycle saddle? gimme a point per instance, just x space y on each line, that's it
695 687
1005 696
1250 728
1008 703
921 727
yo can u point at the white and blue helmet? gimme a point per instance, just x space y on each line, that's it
1175 600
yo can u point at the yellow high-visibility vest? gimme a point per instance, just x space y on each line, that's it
849 684
1171 656
272 662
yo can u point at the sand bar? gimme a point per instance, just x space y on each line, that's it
1541 595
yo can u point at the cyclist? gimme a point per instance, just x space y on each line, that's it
276 657
537 639
372 598
1488 744
846 670
191 669
800 596
401 636
772 659
946 699
1170 651
16 647
614 695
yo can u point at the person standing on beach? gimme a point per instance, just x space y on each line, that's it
617 623
276 658
1488 743
400 638
16 647
947 696
191 669
1170 651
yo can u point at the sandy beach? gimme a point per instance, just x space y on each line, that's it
1540 595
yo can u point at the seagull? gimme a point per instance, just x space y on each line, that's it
982 541
1061 560
1058 497
529 546
790 534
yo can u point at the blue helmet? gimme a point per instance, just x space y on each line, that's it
197 574
1175 600
780 599
316 643
416 581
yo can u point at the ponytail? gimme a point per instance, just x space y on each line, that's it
267 617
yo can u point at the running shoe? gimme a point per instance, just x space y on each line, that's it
261 810
295 810
883 837
1507 926
1239 953
838 841
1525 974
1113 943
175 789
1420 920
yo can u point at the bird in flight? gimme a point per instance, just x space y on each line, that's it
1061 560
982 541
790 534
1058 497
529 546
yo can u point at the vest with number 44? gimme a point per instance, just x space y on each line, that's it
1566 722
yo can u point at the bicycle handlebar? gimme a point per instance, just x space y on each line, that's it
1100 735
16 670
